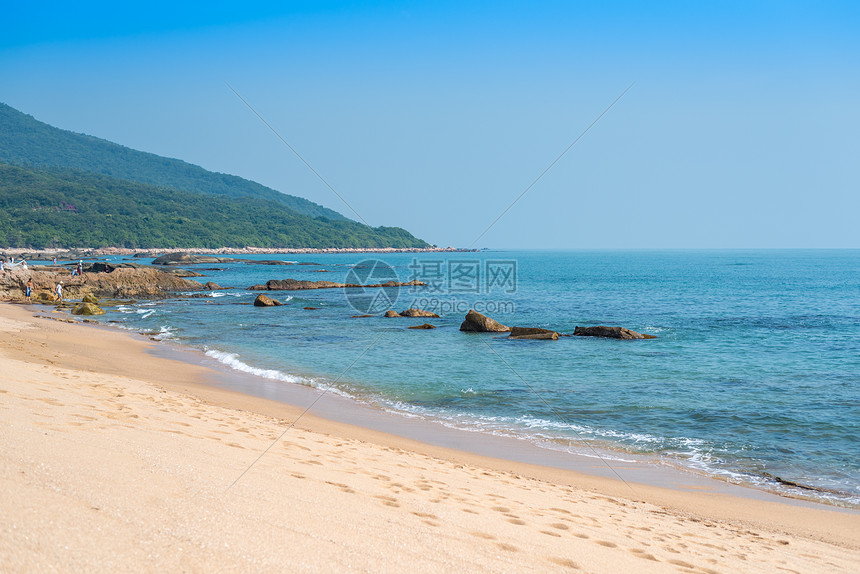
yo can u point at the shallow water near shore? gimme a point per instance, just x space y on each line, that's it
754 374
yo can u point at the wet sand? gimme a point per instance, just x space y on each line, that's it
114 458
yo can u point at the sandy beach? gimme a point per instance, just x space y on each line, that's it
114 459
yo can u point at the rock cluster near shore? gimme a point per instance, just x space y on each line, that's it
122 283
476 322
87 309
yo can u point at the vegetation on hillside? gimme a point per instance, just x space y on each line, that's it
61 207
26 141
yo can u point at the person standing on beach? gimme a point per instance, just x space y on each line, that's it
80 266
59 291
28 291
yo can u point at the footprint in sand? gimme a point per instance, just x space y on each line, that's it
389 501
483 535
566 562
638 553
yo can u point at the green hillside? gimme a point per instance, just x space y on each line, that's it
26 141
61 207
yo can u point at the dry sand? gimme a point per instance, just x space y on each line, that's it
112 459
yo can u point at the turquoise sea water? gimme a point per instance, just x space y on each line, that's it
754 374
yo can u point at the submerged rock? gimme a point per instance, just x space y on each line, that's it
211 286
424 326
264 301
533 333
482 324
87 309
610 333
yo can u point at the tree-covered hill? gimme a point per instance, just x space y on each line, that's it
61 207
26 141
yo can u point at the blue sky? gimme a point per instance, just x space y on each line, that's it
742 128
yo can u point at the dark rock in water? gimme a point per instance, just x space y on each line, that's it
310 308
391 313
212 286
265 262
99 267
418 313
188 259
533 333
482 324
610 332
296 285
87 309
794 484
424 326
263 301
361 316
182 272
90 298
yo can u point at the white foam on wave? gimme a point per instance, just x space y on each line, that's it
232 361
165 333
145 313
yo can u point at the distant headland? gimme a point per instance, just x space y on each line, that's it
63 189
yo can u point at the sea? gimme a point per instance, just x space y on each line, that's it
753 377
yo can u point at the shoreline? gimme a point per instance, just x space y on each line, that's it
603 462
32 345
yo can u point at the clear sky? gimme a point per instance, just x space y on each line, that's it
742 128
